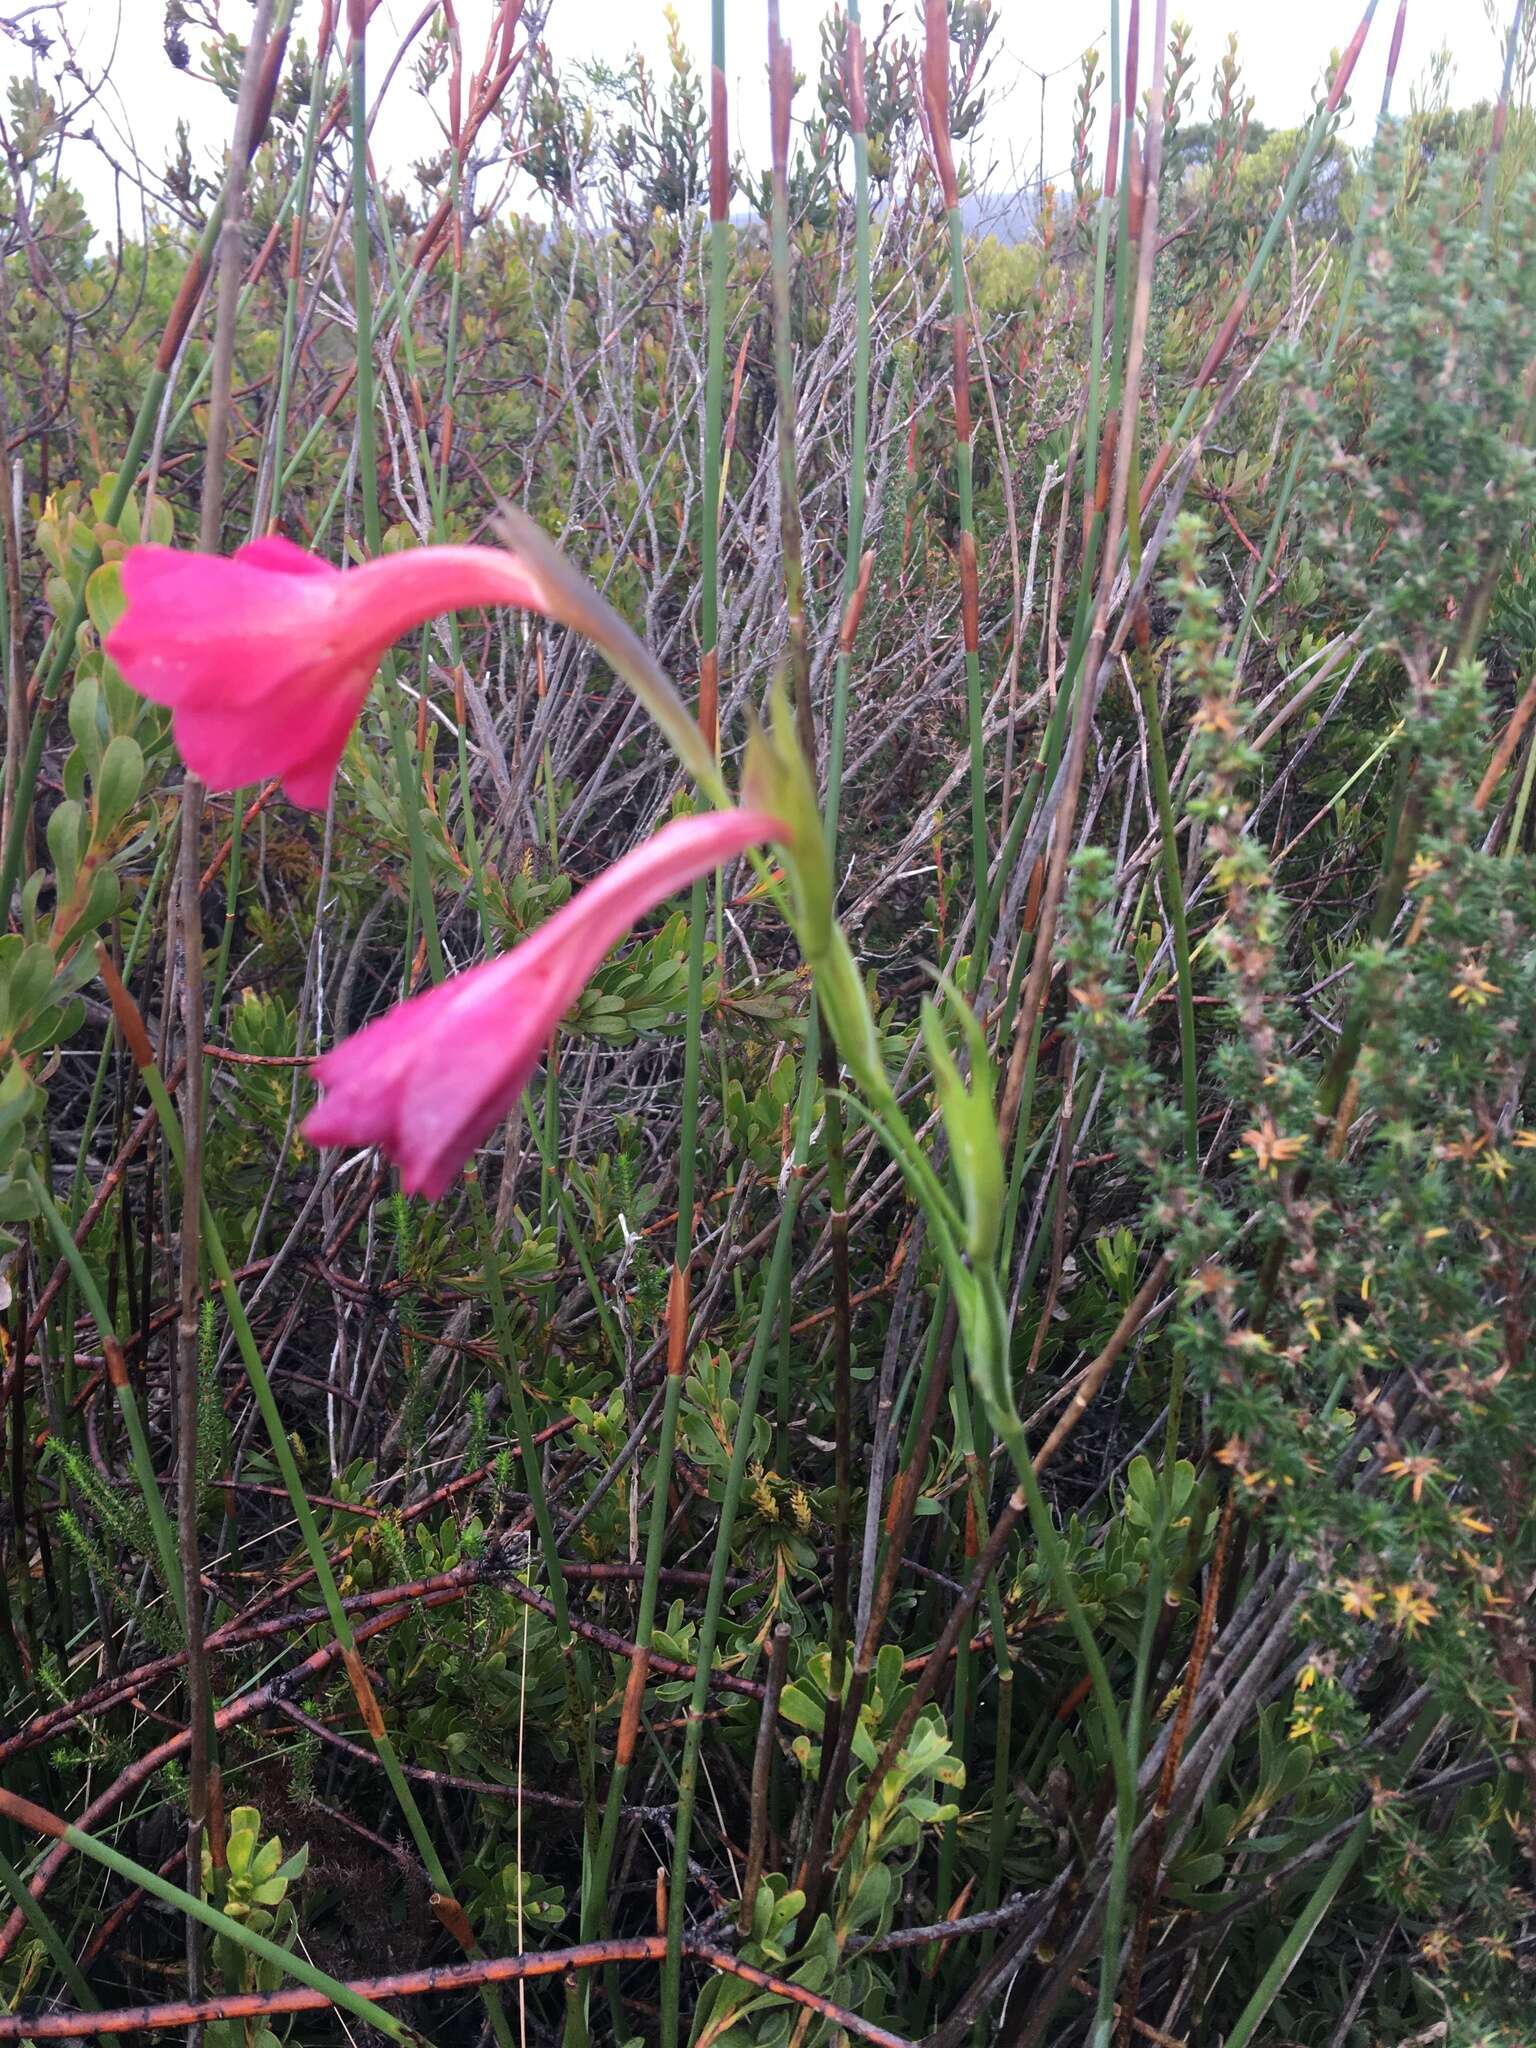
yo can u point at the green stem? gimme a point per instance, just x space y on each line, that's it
1522 803
142 924
1122 1764
709 1627
1173 892
975 710
1292 1948
1125 1812
594 1905
407 768
858 452
138 1442
1357 244
291 303
709 664
577 1672
799 662
37 1919
291 1963
282 1450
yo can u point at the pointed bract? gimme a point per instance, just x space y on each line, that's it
778 778
970 1123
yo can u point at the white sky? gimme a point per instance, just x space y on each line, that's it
1283 49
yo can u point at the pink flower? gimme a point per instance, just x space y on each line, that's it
429 1079
265 658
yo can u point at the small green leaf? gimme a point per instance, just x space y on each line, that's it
799 1708
118 782
65 831
85 718
58 1022
104 597
25 983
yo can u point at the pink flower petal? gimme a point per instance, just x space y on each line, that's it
266 657
285 557
324 737
284 734
429 1080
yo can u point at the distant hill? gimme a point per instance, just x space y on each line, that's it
1010 216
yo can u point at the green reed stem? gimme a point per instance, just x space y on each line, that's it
780 94
594 1905
298 194
407 768
964 478
1178 924
741 1449
1173 896
575 1663
522 1421
1122 1764
1292 191
1522 803
290 1962
1500 119
76 1205
1357 244
389 305
282 1450
1290 1951
37 1919
575 1666
858 449
962 1707
285 365
1097 411
1125 1815
138 1442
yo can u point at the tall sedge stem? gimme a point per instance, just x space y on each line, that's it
855 569
1259 584
269 502
406 767
287 1961
446 1905
575 1664
148 910
1295 185
936 100
594 1897
122 1387
1326 1890
201 1755
37 1919
1500 115
577 1673
1032 1007
709 1627
780 91
1173 898
845 1693
269 493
